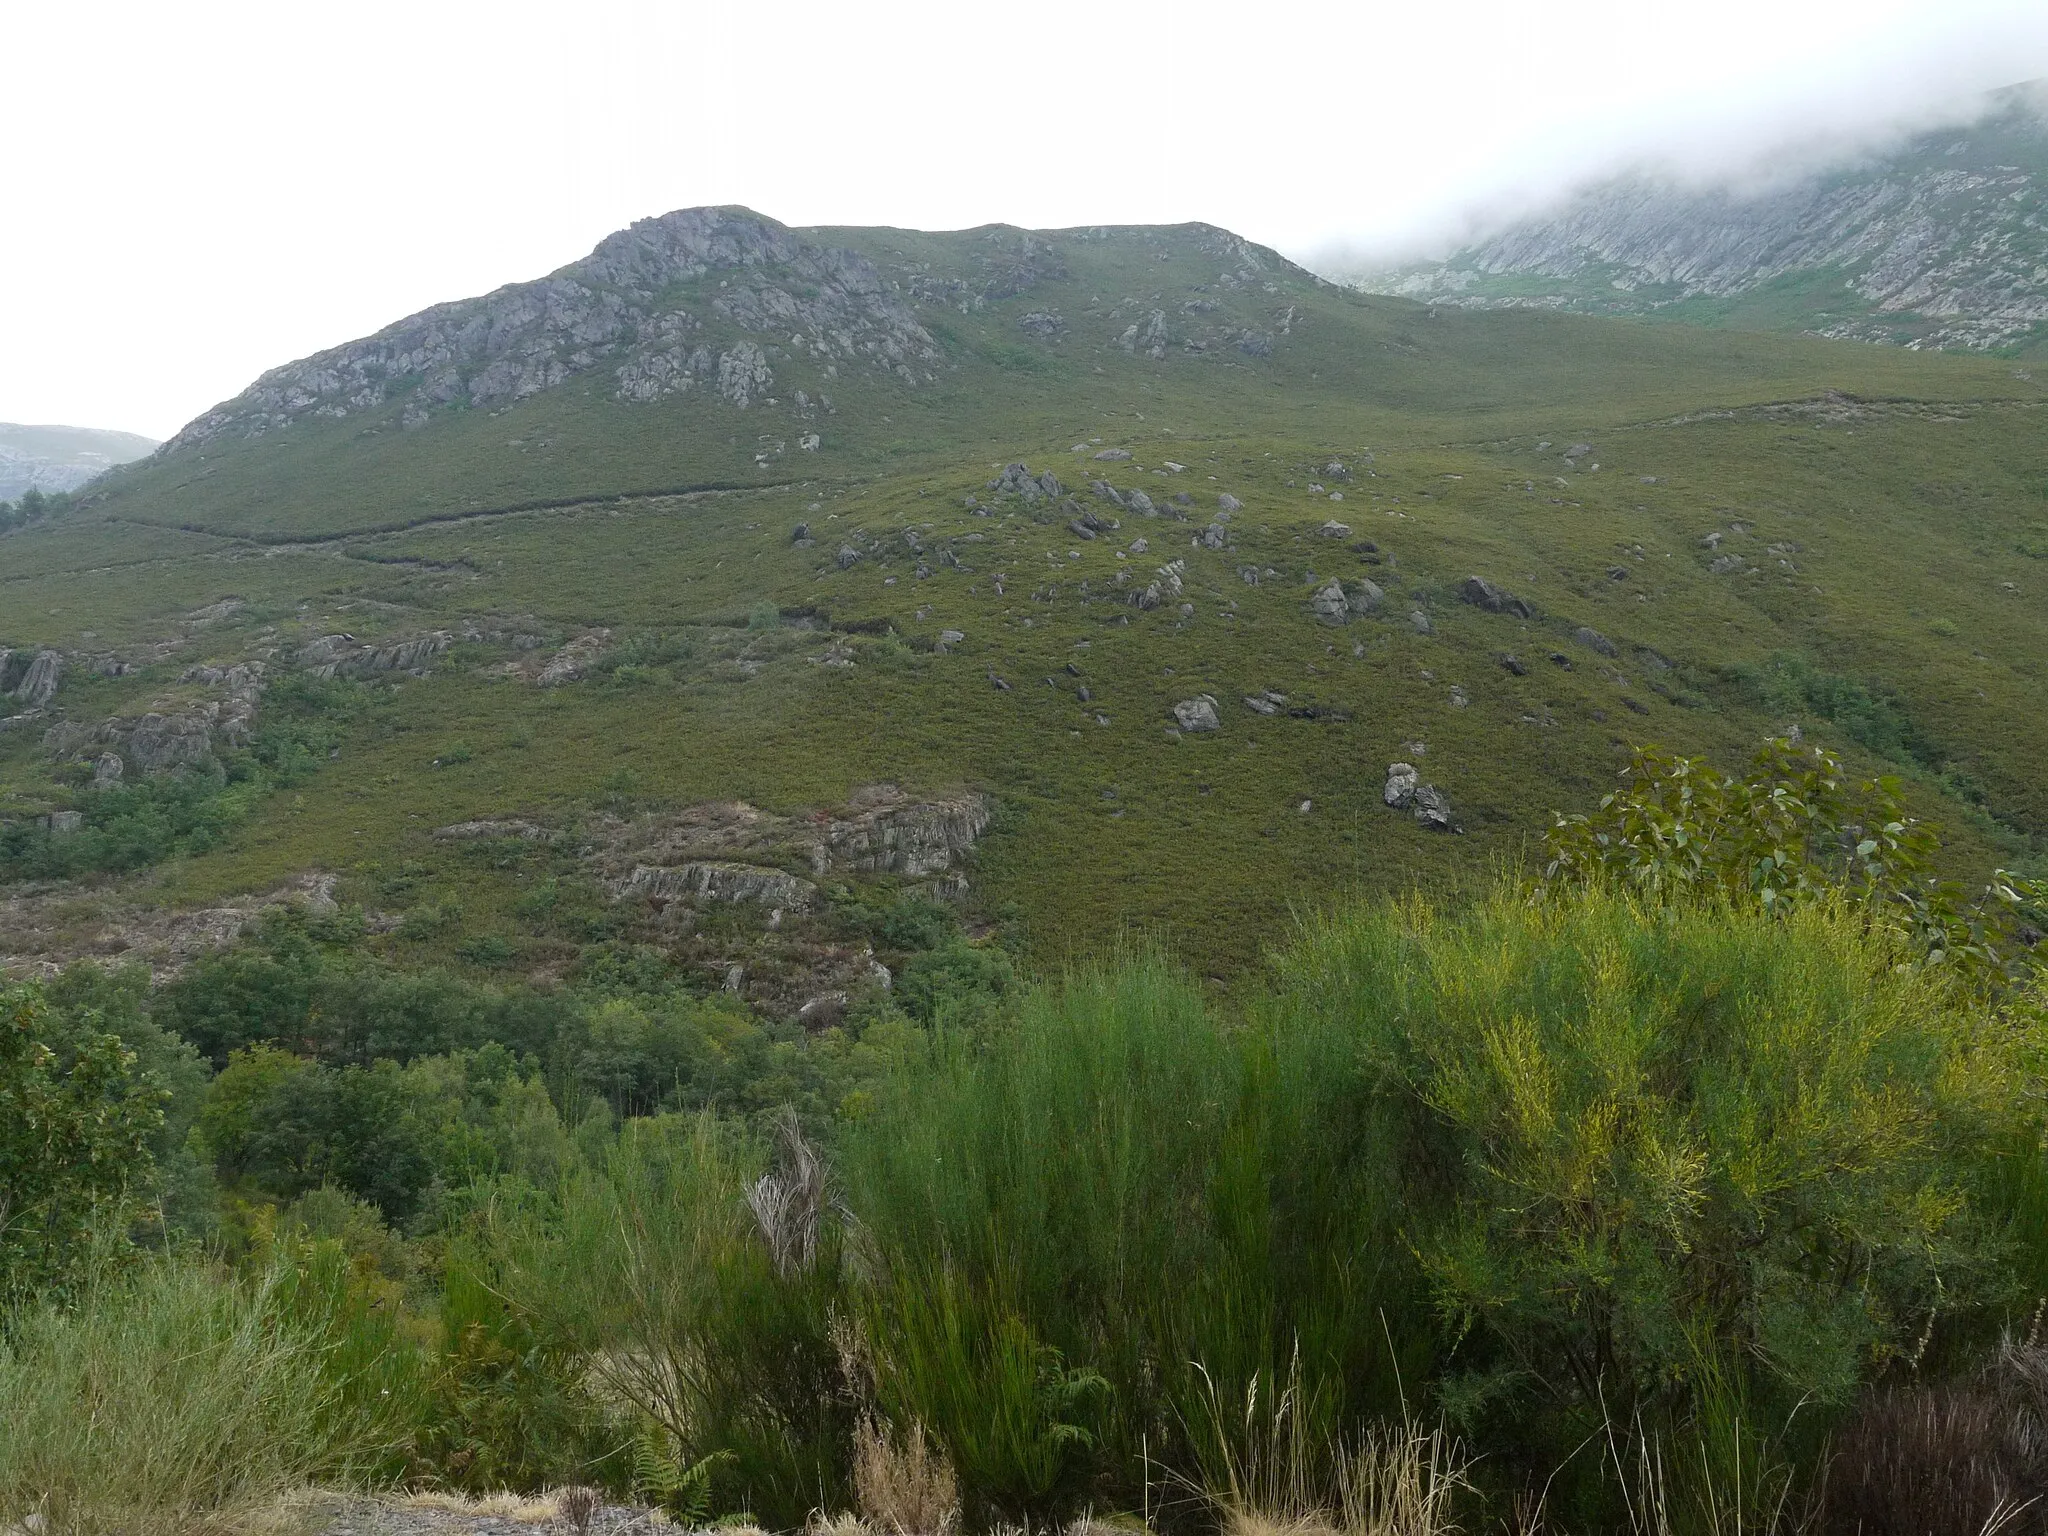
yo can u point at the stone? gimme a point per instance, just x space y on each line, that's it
720 880
1593 640
1723 565
849 557
1198 713
1335 530
1080 530
107 770
1514 664
1259 704
1559 658
1405 791
1432 809
1363 596
1617 573
1577 451
1106 491
1329 604
800 534
743 374
1483 594
1141 504
1114 455
1213 536
948 638
1229 503
1139 545
40 681
1419 622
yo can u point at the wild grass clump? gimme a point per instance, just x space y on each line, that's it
170 1399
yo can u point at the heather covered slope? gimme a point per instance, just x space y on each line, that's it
567 565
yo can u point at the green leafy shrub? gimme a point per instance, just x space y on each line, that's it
1796 830
1701 1163
74 1145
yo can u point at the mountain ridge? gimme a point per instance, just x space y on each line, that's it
1939 242
52 459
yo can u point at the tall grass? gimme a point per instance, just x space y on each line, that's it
171 1399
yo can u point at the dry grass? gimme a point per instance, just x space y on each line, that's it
905 1488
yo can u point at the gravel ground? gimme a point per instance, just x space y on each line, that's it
341 1516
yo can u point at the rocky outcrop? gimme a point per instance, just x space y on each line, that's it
1939 243
1483 594
626 310
178 735
710 881
30 678
880 831
345 656
1405 791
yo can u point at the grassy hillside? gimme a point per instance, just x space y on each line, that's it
1885 512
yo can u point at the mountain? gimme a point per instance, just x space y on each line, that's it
52 459
692 608
1940 242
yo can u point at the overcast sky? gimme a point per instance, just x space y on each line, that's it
196 192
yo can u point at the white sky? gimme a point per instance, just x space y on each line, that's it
195 192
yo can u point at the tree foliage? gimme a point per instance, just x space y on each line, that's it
74 1144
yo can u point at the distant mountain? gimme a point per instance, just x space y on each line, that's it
61 458
1939 242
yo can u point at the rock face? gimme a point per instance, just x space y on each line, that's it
641 309
345 656
708 881
1593 640
1939 243
880 830
41 679
168 739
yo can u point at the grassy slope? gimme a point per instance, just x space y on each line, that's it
1908 518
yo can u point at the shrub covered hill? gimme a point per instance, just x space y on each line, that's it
738 578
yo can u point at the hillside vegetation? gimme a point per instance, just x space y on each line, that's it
796 871
555 603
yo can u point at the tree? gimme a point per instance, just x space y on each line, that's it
74 1145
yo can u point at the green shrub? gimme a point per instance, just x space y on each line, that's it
74 1145
1079 1219
1795 831
1681 1162
657 1270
